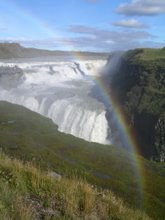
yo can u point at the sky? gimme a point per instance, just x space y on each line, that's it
85 25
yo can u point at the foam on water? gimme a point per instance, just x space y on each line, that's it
60 91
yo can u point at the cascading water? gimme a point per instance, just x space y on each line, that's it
58 90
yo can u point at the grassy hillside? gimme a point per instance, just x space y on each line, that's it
147 54
28 193
31 137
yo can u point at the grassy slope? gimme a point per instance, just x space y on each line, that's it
28 193
146 54
29 136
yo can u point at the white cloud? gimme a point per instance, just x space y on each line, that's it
111 35
107 39
142 7
94 39
92 1
3 29
131 23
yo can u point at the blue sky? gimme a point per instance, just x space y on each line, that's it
94 25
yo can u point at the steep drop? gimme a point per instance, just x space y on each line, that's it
60 91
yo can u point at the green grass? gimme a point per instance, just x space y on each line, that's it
29 136
152 54
146 54
28 193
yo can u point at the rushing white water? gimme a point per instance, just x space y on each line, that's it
58 90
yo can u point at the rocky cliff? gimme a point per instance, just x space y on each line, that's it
139 85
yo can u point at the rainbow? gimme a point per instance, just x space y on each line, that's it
121 120
127 134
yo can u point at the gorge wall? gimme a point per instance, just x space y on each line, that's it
138 83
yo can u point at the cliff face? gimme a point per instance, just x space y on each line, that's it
139 86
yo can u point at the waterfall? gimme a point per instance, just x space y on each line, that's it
60 91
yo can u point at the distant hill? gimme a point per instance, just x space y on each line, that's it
15 50
29 136
138 83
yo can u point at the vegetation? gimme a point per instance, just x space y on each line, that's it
29 136
91 173
29 193
147 54
139 86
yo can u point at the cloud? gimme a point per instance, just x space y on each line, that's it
142 7
82 29
101 39
3 29
131 23
94 39
112 35
92 1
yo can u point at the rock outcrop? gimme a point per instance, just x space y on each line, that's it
139 86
